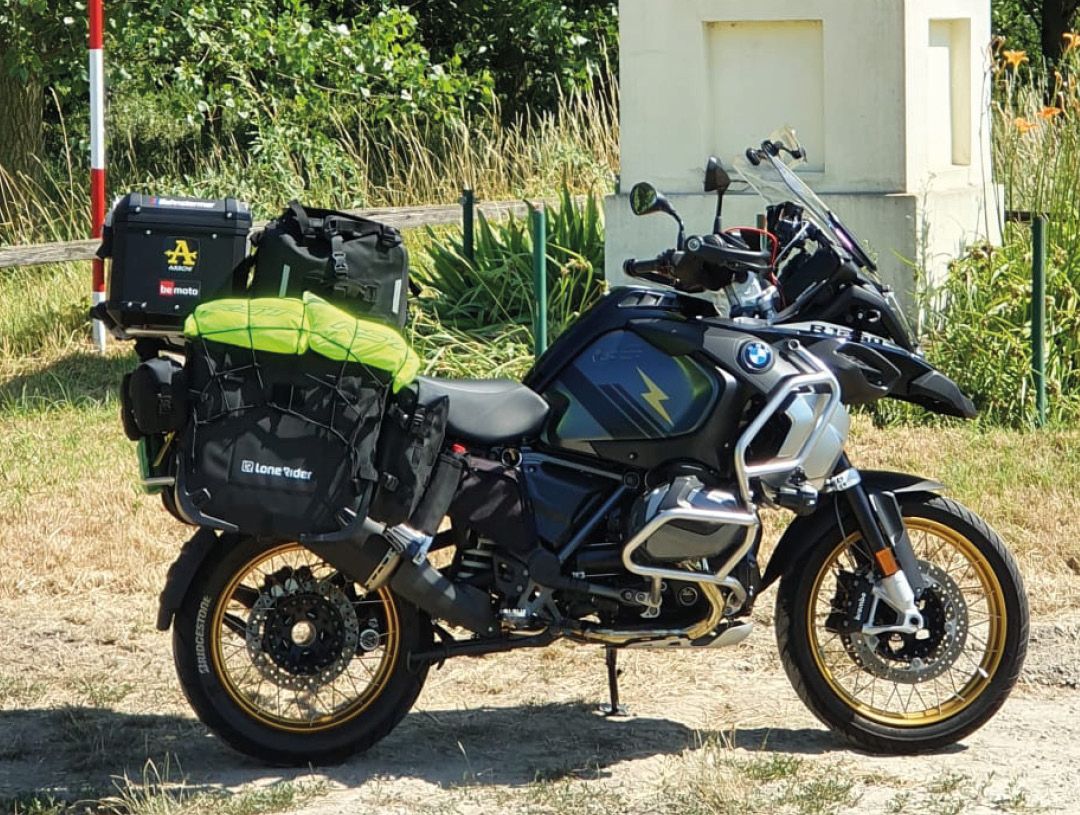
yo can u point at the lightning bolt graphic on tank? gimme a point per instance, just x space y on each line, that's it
655 397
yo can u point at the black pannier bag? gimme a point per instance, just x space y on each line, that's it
409 443
492 502
285 417
155 397
359 265
168 255
279 445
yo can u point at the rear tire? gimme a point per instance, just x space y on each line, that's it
338 658
950 699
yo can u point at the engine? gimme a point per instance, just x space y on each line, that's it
681 540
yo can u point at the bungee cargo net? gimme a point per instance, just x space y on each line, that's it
287 397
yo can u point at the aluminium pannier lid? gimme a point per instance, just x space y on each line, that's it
176 211
284 325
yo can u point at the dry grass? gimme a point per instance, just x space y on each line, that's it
72 517
87 688
1025 484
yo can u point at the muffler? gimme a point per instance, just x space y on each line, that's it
376 556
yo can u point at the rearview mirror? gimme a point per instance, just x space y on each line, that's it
645 199
716 177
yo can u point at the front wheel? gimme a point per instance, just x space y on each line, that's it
903 693
291 662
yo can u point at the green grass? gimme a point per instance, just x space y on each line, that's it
152 795
979 320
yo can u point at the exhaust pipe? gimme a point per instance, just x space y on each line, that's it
425 586
374 555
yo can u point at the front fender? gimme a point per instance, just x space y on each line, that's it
806 530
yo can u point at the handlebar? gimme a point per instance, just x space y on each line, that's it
706 264
711 250
637 268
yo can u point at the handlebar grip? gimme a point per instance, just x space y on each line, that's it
727 256
636 268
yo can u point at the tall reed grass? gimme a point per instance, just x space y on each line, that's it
574 147
982 335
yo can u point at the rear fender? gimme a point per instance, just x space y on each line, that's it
806 530
182 572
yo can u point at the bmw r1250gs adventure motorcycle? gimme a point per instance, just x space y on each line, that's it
643 446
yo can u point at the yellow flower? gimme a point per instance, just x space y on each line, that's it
1023 125
1014 58
1049 112
1072 40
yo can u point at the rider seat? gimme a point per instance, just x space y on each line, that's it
487 411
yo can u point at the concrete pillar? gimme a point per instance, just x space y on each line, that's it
889 97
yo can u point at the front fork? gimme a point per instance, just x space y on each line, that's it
879 520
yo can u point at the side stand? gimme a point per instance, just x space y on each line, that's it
613 709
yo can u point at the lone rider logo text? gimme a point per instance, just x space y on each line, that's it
255 468
185 288
182 254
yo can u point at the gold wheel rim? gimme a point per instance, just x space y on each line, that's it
918 704
245 685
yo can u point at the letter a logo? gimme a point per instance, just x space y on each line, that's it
182 256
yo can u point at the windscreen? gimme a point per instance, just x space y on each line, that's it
774 180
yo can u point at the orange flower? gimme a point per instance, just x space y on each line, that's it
1014 58
1049 112
1023 125
1072 40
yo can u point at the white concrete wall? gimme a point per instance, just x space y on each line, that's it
889 97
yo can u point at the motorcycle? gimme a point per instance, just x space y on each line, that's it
625 480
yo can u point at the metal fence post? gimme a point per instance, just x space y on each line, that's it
468 216
539 221
1038 314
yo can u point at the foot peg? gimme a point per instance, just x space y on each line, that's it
614 708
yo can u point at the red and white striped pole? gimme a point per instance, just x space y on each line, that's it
97 151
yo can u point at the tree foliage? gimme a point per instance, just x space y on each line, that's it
303 76
534 49
1036 26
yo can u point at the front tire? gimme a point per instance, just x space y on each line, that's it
290 662
908 693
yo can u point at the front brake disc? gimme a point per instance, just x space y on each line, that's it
928 652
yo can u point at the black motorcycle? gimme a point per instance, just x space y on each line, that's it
614 498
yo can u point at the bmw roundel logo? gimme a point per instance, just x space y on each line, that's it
756 357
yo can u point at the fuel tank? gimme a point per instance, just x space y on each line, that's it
651 378
623 388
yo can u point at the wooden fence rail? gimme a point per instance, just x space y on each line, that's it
400 217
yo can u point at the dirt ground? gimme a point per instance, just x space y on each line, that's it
88 695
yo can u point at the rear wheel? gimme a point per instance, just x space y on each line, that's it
907 692
289 661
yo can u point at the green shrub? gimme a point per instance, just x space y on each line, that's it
982 337
535 50
497 285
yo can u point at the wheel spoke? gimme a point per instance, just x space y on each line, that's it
964 615
296 677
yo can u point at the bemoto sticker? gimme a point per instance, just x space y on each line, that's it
178 288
